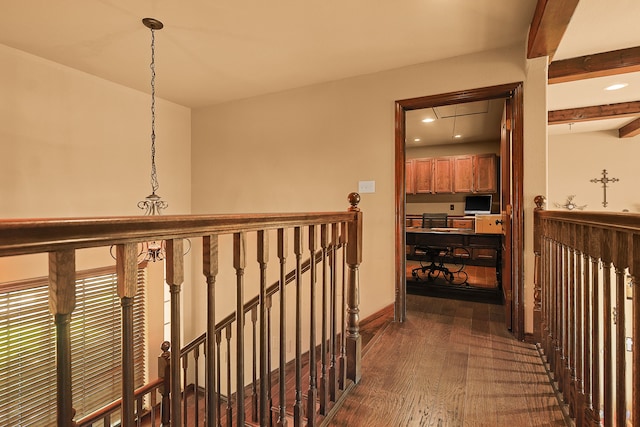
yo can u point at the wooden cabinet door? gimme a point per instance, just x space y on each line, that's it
410 181
443 175
423 170
463 174
486 176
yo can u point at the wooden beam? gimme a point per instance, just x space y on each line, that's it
597 112
629 130
597 65
550 21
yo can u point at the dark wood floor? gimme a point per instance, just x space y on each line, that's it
452 363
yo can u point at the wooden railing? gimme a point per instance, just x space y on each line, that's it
339 320
587 311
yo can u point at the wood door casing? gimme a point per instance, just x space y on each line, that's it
505 210
509 91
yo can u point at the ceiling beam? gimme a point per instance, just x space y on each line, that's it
632 129
550 21
597 112
596 65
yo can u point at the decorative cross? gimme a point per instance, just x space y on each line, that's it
605 180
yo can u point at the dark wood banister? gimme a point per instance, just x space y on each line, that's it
60 238
28 236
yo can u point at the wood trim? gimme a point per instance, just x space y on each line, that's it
629 130
596 112
510 90
597 65
550 21
26 236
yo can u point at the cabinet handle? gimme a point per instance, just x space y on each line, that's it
499 221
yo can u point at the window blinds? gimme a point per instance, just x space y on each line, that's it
27 347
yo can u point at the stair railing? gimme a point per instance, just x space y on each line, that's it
587 311
61 238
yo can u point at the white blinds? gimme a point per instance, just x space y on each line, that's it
27 347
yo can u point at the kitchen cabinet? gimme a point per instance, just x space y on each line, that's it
463 174
423 172
486 173
410 187
443 175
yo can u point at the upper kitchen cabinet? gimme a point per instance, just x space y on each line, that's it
463 174
486 173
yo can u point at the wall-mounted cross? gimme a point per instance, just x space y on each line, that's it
605 180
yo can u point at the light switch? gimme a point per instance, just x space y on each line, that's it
366 187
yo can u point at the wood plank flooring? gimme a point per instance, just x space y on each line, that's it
452 363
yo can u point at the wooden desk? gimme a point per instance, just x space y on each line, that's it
480 249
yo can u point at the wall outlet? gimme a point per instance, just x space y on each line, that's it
451 207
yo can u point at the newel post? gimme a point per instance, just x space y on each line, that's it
537 272
164 372
354 258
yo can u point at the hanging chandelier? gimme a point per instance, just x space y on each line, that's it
152 204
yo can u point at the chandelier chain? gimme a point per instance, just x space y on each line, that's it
154 175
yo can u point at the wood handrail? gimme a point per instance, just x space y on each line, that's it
28 236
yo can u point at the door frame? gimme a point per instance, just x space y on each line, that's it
513 91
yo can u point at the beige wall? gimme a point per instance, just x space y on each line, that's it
305 149
576 159
76 145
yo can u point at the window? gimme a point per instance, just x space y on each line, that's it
28 342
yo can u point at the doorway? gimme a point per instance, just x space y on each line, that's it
511 177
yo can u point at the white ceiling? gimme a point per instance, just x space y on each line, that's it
212 51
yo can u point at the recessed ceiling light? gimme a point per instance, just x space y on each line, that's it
616 86
457 136
428 120
416 139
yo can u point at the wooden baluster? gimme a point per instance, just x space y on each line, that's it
174 279
312 393
595 340
354 258
164 372
196 400
588 344
537 273
580 326
342 379
333 376
324 379
254 365
185 407
557 333
62 301
298 410
210 268
282 256
229 396
607 379
571 331
269 399
635 354
547 298
621 255
218 390
127 277
263 259
239 263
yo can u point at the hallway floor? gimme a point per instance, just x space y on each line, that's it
452 363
